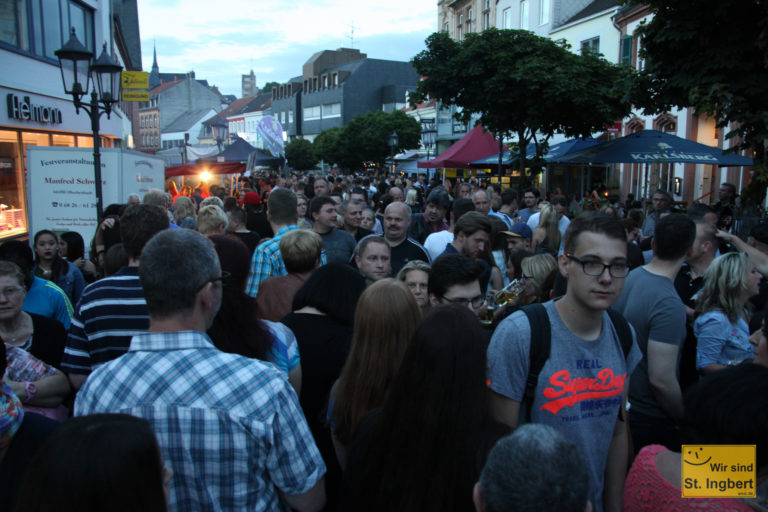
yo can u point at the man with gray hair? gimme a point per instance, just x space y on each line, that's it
229 426
535 469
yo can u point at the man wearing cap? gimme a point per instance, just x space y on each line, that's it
256 219
518 238
433 218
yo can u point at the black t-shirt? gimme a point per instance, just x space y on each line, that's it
249 238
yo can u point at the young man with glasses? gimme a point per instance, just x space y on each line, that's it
581 387
653 307
455 279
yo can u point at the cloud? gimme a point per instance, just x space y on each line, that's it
222 42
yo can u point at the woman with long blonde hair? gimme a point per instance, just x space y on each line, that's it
546 236
385 319
721 327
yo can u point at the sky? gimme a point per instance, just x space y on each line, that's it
221 40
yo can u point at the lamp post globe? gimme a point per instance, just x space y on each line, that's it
74 62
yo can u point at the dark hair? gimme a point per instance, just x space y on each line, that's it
593 222
138 224
508 196
93 463
432 461
282 206
533 191
333 289
452 269
673 236
728 407
59 265
75 245
237 214
236 328
472 222
697 211
114 259
20 253
461 206
317 203
516 260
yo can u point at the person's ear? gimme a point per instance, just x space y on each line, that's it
433 299
562 263
477 497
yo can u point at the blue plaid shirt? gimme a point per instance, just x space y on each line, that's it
267 262
229 427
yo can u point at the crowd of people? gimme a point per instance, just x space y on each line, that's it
381 343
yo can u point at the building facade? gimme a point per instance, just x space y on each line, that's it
35 110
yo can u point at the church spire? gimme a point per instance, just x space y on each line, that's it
154 75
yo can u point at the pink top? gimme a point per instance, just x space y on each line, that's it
646 490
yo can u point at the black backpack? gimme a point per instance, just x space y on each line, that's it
541 342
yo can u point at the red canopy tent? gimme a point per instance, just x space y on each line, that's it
211 167
473 146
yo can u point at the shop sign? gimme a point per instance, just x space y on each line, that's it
24 110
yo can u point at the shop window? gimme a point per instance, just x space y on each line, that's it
84 142
13 204
64 140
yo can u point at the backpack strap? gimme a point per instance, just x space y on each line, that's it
541 342
622 330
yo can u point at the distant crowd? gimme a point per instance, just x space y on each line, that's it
381 343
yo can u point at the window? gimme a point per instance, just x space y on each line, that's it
626 50
331 110
469 21
487 5
460 32
311 113
445 27
486 19
590 46
524 12
544 9
290 115
43 26
507 18
335 81
325 81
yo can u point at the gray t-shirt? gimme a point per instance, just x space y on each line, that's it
338 245
654 309
579 389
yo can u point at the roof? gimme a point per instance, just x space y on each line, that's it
186 121
164 87
595 7
243 105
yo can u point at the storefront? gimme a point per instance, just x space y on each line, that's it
29 119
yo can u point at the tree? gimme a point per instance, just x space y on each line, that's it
366 138
523 84
711 55
300 154
268 87
326 145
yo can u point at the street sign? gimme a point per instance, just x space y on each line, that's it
134 80
135 95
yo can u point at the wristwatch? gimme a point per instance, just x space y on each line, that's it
31 390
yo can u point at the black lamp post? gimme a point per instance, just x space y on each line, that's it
77 70
428 134
219 129
393 143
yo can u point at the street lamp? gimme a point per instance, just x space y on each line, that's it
77 71
219 129
428 134
393 142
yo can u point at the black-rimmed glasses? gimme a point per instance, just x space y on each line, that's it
224 277
475 303
596 268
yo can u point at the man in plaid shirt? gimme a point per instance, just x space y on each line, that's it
229 427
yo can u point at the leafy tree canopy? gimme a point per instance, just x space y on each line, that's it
520 83
710 55
366 138
300 154
268 86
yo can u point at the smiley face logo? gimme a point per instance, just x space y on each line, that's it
694 456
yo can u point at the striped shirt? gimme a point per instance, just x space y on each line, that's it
229 427
110 312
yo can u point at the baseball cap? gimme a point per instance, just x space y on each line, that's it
251 198
519 230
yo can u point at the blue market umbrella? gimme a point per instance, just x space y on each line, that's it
552 155
653 146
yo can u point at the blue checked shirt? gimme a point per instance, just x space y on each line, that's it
267 262
229 427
